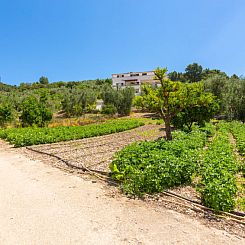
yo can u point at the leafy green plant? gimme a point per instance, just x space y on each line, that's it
35 112
150 167
109 109
34 136
121 99
238 130
218 185
6 114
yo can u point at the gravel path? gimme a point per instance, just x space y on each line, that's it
40 204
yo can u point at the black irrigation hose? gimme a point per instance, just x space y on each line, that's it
238 215
102 174
83 168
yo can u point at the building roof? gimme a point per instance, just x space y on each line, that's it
131 72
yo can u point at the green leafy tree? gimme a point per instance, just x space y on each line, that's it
35 112
193 72
208 73
77 101
125 101
231 95
216 85
233 99
121 99
171 98
177 76
168 100
234 76
6 114
43 80
205 108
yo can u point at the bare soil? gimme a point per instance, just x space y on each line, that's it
96 153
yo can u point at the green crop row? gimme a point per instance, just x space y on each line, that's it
33 136
150 167
218 184
238 130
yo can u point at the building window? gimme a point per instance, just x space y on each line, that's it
134 75
121 84
118 76
122 75
144 74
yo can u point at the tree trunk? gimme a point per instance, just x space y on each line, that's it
168 128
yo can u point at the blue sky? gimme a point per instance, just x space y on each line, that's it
86 39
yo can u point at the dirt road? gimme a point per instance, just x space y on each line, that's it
40 204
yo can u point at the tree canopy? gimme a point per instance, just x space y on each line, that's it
174 97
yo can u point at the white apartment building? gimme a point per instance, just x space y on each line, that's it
133 79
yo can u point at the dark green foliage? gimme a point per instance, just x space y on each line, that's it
109 109
177 76
125 100
7 88
150 167
35 112
233 98
193 73
43 80
122 99
34 136
6 114
200 113
231 95
77 101
208 73
215 85
176 100
106 81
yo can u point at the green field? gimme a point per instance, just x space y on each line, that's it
34 136
205 154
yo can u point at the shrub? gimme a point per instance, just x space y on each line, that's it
34 112
122 99
6 114
150 167
109 109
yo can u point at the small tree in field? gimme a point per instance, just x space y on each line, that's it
172 98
